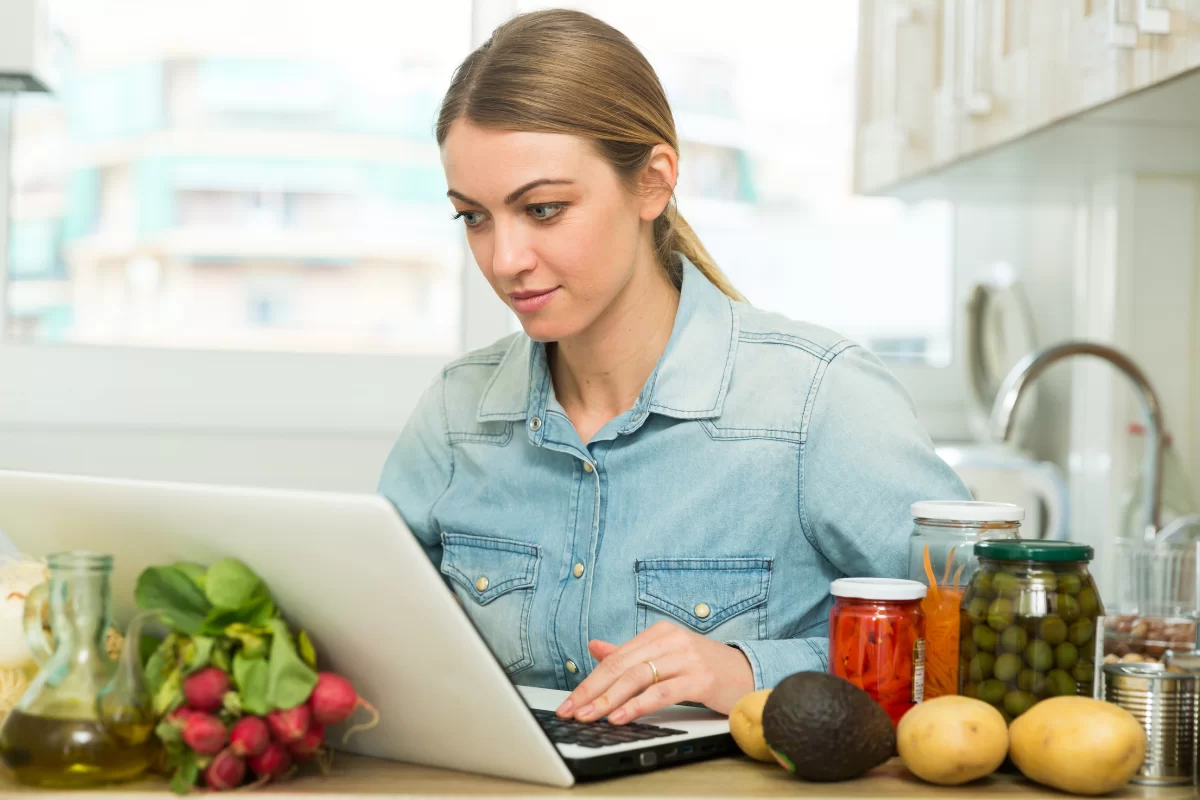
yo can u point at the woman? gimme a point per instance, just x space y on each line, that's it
644 497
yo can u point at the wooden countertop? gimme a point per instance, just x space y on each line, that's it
354 777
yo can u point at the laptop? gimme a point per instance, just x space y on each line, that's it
345 568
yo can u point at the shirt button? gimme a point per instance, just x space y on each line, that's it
638 416
702 610
578 571
571 666
482 584
535 423
587 466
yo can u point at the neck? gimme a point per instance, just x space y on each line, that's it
602 370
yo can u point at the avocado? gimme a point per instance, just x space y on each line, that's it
824 728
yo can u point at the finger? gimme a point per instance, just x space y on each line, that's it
612 668
601 650
654 698
635 680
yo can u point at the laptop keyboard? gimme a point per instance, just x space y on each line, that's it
599 733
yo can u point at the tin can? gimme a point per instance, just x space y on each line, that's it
1165 703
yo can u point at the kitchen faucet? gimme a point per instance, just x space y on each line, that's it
1033 365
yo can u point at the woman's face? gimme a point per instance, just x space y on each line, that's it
553 229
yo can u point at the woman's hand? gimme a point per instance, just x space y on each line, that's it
690 667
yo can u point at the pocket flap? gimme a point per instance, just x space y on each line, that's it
488 567
703 592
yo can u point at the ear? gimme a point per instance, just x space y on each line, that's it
659 177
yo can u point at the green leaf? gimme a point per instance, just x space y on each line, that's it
250 676
170 694
168 733
290 681
253 639
255 613
161 662
147 647
307 651
231 704
222 657
184 779
196 572
232 585
169 590
200 655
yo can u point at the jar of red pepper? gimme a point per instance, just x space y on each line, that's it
877 639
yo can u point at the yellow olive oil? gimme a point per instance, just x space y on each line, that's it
73 753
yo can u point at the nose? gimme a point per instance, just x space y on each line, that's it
512 253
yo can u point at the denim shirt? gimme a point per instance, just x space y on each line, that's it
763 459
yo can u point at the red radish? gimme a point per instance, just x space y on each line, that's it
249 737
310 743
333 699
289 725
204 733
205 690
226 771
180 715
270 763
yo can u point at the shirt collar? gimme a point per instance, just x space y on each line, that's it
690 381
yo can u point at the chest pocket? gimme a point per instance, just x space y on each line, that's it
723 598
494 578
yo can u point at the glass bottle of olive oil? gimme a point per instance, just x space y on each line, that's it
85 720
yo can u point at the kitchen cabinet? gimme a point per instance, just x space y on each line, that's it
941 81
898 75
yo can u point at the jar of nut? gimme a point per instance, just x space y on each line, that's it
1136 638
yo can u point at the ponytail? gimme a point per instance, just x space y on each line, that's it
673 234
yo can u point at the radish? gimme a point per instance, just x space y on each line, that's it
204 733
308 744
270 763
249 737
205 690
333 699
226 771
289 725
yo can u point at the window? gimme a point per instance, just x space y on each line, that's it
187 159
763 97
242 226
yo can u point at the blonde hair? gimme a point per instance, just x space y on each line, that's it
559 71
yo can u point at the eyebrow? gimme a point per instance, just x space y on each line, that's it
515 196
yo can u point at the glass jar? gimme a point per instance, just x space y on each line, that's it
877 640
941 554
1028 624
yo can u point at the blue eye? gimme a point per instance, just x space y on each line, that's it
545 211
469 218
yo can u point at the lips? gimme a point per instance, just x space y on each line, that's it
530 301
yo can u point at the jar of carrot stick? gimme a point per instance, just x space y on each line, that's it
941 555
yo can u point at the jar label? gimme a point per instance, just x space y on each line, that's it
918 684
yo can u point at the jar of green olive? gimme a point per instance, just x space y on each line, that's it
1028 624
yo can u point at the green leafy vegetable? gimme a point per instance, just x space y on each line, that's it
307 651
250 676
199 655
222 654
170 591
194 571
253 639
231 585
170 693
290 681
186 773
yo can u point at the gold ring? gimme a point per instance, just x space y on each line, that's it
653 669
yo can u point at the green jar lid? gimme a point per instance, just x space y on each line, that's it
1033 550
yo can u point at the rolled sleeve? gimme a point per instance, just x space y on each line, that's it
772 660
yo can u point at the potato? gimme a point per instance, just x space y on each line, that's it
952 740
745 723
1078 745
